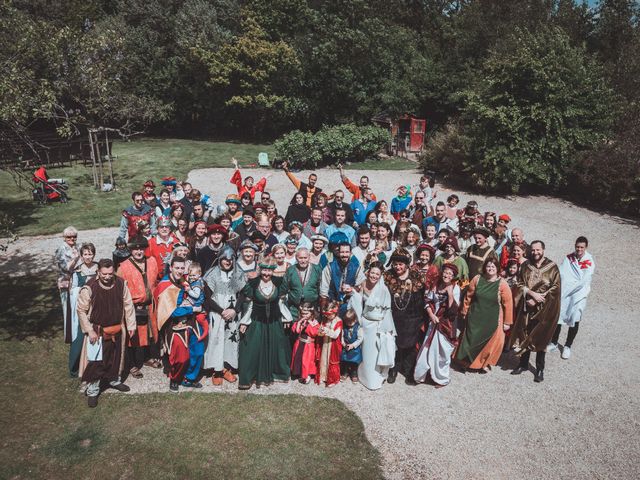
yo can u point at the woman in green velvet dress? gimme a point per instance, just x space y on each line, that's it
265 350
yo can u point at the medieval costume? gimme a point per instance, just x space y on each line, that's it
328 352
177 324
66 259
208 255
373 310
352 336
303 356
475 255
223 292
576 274
534 325
106 310
302 285
461 265
81 275
434 356
407 309
429 272
121 252
335 275
130 218
489 306
141 279
259 186
161 250
265 351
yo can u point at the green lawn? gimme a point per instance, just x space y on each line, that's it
137 161
49 432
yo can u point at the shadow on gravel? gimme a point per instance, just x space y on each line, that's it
30 307
20 264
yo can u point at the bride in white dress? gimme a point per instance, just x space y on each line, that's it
372 305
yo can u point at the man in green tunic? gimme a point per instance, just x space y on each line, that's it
302 281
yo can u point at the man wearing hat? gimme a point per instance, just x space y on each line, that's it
224 303
246 262
233 207
161 245
141 275
135 213
479 252
407 290
207 256
340 275
248 224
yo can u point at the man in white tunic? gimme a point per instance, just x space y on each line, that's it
576 272
224 284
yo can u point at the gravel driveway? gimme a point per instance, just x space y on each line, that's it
582 422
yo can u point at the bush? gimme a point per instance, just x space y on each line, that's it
447 152
331 145
609 176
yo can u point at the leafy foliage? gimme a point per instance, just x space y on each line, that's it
537 103
331 145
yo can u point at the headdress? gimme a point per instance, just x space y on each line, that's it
137 242
401 254
164 222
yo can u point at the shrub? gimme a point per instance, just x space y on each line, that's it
609 176
331 145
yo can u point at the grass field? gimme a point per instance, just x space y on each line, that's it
137 161
48 431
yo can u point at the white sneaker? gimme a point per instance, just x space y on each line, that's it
552 347
566 353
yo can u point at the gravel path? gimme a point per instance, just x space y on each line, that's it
582 422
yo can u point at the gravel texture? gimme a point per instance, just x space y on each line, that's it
582 422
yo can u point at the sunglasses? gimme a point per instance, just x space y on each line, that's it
71 236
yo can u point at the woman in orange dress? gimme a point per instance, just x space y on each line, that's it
489 305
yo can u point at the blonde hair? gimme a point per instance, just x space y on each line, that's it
70 232
195 267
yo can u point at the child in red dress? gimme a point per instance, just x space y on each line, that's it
303 357
329 346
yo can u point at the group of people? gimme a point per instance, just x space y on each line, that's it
327 291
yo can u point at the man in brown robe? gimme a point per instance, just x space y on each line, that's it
105 311
538 308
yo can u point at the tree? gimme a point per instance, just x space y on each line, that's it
256 78
538 102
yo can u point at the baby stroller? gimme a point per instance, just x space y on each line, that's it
48 189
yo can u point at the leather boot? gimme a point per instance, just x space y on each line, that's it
539 376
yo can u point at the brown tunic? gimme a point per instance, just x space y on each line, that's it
534 325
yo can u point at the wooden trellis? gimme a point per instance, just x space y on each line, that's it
101 159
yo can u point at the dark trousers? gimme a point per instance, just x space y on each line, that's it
349 368
571 335
405 362
540 356
135 357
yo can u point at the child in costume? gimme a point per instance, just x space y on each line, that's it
194 297
329 346
352 338
303 358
